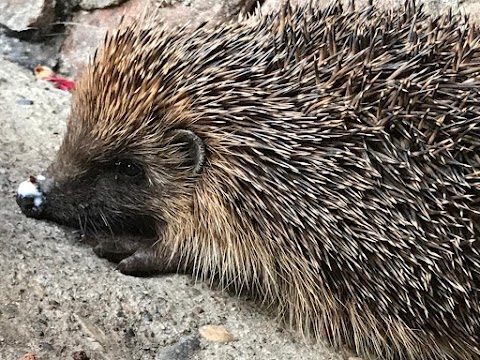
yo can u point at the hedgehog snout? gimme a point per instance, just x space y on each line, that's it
31 195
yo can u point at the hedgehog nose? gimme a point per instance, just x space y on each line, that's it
28 206
31 197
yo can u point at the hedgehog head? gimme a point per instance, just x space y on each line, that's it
128 158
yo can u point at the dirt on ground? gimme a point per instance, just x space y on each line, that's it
57 297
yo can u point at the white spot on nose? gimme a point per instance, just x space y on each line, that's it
37 201
29 189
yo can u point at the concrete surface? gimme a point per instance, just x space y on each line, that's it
56 297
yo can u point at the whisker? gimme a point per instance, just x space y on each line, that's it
81 225
92 225
85 222
107 223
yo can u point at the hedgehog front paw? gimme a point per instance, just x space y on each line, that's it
117 249
146 261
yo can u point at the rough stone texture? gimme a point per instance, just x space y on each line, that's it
272 5
21 15
98 4
86 30
90 27
182 350
57 298
65 8
30 54
470 7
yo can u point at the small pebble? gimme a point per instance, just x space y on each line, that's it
182 350
216 333
24 102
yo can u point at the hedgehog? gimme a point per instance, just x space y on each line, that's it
324 159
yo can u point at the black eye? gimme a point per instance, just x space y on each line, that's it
128 168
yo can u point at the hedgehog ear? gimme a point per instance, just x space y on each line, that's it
191 146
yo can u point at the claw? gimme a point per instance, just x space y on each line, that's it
149 260
143 262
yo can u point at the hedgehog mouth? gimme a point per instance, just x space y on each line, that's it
140 226
101 226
